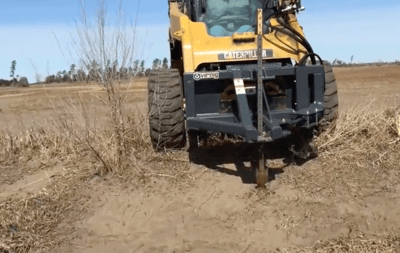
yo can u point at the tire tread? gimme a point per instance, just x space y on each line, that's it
166 117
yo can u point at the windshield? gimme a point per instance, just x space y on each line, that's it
226 17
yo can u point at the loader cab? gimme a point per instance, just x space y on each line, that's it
226 17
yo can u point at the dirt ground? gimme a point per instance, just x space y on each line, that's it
217 207
360 85
22 109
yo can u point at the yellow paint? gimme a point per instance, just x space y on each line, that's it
243 36
198 47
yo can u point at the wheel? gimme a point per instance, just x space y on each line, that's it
165 105
330 96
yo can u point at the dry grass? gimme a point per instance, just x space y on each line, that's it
127 156
360 244
44 143
360 151
358 157
33 223
39 222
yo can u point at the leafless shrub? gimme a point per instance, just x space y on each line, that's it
77 120
104 49
38 76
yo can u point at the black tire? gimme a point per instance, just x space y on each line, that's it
166 115
331 96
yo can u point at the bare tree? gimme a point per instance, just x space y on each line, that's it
106 47
38 76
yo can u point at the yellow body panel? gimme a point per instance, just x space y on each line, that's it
198 47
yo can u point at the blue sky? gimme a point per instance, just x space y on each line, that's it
367 29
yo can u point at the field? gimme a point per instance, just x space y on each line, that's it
56 197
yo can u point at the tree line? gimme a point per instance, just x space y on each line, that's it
95 71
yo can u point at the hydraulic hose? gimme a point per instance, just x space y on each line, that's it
307 45
304 42
291 32
304 59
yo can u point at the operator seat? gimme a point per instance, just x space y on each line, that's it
226 17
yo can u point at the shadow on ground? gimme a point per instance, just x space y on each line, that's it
240 159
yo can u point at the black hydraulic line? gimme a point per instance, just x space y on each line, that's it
305 41
288 32
295 34
308 46
304 59
270 16
274 14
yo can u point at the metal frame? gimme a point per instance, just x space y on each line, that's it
276 124
260 86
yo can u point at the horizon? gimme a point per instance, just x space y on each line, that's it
39 41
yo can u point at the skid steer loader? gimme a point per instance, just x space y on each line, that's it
239 67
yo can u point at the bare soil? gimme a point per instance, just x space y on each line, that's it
22 109
216 207
360 85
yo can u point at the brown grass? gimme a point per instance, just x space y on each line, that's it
39 222
130 154
359 151
382 244
33 223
